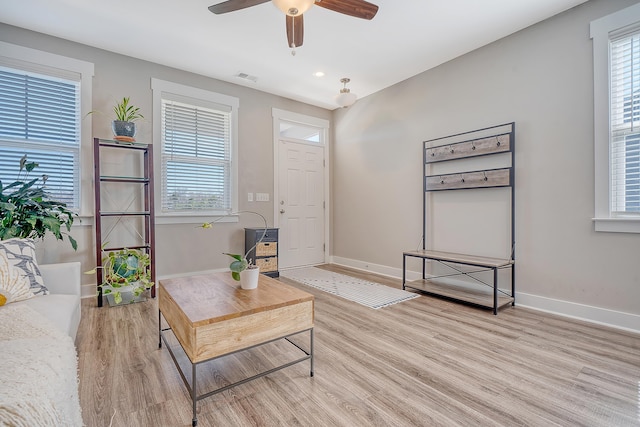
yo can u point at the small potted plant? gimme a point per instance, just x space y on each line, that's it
28 211
243 269
124 127
125 273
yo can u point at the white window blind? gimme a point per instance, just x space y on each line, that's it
40 117
196 157
625 122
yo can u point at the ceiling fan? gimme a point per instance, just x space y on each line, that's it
295 8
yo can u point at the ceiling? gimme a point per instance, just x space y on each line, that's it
405 38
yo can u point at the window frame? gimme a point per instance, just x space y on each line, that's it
160 87
33 60
600 30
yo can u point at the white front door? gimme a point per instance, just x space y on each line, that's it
301 204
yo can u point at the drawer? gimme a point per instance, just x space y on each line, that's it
267 249
271 236
267 264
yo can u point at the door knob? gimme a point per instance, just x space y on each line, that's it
281 210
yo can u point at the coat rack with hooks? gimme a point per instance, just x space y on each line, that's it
492 141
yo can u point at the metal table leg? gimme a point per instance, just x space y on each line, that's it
194 395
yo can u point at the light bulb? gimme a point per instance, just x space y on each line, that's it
293 7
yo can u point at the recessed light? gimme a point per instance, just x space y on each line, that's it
318 74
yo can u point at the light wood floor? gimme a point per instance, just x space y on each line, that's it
423 362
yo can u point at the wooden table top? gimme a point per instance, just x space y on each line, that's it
216 297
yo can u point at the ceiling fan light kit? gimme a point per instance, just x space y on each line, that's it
346 98
293 7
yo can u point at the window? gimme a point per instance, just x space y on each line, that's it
43 98
41 118
616 52
625 123
198 144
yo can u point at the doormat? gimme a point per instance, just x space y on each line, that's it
370 294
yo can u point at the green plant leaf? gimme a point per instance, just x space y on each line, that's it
238 266
235 275
74 243
29 166
234 256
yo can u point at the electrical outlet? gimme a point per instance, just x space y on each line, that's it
262 197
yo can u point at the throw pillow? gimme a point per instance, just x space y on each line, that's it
21 255
13 285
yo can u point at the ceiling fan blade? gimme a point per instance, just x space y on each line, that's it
358 8
295 30
233 5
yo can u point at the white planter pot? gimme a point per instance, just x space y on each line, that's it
126 292
249 278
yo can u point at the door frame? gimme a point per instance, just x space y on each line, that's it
323 125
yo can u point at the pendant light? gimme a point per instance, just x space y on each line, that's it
346 98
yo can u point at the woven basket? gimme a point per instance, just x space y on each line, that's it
267 264
267 249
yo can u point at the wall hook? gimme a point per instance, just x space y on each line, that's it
485 176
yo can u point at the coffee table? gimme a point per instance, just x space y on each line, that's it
211 316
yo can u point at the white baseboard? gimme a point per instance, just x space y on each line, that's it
601 316
88 291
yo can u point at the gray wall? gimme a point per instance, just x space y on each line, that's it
542 79
180 248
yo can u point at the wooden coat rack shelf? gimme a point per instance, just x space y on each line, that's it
491 141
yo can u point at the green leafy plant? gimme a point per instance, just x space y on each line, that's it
240 262
125 270
126 112
27 210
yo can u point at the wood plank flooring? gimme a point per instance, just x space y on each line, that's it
423 362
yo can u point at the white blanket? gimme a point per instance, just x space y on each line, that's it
38 371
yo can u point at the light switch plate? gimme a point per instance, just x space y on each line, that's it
262 197
250 197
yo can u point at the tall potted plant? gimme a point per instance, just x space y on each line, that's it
27 210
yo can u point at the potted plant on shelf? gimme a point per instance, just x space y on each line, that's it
125 272
28 211
124 126
243 269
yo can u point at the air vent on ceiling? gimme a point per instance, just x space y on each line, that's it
246 76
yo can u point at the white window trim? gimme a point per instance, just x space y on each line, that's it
600 30
158 87
38 58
